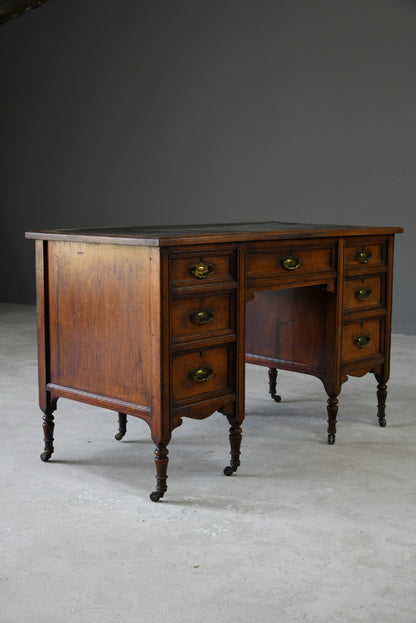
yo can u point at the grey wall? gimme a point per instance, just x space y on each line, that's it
208 110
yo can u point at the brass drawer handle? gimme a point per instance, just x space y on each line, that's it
202 317
202 270
364 256
291 263
362 341
363 294
199 375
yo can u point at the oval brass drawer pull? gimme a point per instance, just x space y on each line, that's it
199 375
291 263
362 341
363 294
364 256
204 316
202 270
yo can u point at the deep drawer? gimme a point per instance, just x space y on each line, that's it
361 339
201 373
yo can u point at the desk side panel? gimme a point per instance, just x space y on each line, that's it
100 311
42 320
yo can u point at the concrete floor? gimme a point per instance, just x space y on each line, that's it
303 532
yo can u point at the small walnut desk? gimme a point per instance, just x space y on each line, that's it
157 322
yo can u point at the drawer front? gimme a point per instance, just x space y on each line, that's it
361 339
202 315
291 260
201 373
363 292
202 268
365 253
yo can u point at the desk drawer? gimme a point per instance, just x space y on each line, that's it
199 267
201 373
202 315
291 259
363 292
361 339
365 253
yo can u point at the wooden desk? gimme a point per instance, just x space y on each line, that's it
158 322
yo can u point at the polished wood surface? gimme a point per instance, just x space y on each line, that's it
157 322
171 235
99 305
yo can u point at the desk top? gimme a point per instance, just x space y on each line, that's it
162 236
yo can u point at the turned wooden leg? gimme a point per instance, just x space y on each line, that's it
381 399
161 462
48 426
332 409
272 385
235 443
122 426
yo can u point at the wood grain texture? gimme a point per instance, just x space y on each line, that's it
288 328
100 314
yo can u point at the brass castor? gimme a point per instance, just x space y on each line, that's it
277 398
45 456
331 439
119 436
382 422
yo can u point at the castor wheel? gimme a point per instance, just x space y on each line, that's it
277 398
331 439
229 471
119 436
156 495
382 422
45 456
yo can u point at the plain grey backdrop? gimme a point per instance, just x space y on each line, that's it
198 111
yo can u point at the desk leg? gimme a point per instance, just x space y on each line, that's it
161 462
235 443
381 399
48 426
122 426
272 385
332 409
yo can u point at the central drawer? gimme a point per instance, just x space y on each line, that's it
202 374
290 259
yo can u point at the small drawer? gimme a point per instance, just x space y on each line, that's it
201 373
198 268
361 339
363 292
365 253
290 260
201 315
